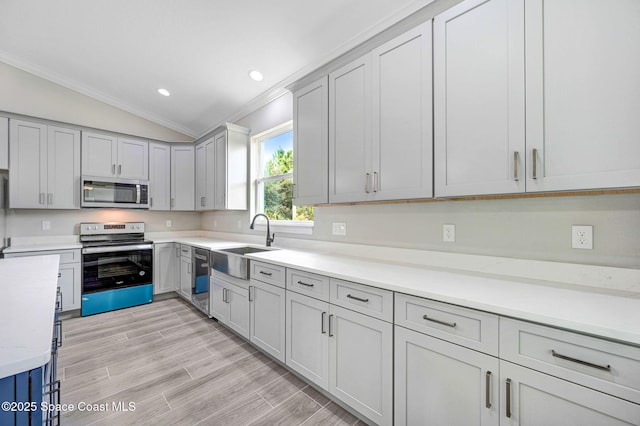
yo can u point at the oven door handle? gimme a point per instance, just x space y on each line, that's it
109 249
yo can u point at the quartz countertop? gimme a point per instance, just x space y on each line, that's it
27 310
43 247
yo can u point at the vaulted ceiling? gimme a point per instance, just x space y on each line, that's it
201 51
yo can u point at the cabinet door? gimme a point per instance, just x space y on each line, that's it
238 301
159 176
361 363
231 168
99 155
163 267
307 338
186 271
267 317
133 159
201 175
311 144
63 171
4 143
583 96
528 397
177 273
478 51
349 132
402 116
437 382
28 161
182 178
218 307
220 171
211 175
69 281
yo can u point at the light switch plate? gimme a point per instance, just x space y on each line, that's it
339 228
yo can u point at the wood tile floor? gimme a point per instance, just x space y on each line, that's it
178 368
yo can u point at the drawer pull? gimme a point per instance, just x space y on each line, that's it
508 398
357 298
305 284
266 273
448 324
579 361
487 402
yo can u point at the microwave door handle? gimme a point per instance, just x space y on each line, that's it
138 194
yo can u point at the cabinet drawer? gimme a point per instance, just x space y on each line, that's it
467 327
600 364
313 285
185 250
66 256
368 300
268 273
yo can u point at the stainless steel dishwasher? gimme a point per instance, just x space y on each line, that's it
200 280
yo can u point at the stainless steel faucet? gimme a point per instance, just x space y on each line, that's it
270 236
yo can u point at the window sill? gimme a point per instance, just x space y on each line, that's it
287 227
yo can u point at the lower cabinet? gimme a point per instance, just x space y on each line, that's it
164 265
267 318
342 351
229 303
440 383
529 397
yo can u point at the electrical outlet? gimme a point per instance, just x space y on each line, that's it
448 233
339 228
46 225
582 237
169 223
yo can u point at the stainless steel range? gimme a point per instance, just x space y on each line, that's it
117 266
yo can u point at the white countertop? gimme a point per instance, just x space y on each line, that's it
608 314
43 247
27 309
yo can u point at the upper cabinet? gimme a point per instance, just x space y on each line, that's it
114 157
311 144
380 140
479 128
221 170
182 177
44 166
159 176
4 143
583 94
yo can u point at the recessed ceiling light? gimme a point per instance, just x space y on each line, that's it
164 92
255 75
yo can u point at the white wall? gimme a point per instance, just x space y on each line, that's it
26 94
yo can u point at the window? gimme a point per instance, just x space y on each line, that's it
272 152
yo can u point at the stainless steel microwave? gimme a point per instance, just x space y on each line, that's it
120 193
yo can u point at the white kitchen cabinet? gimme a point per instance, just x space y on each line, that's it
205 174
159 176
182 177
479 98
186 272
307 339
4 143
529 397
229 303
583 96
437 382
230 174
44 166
164 265
311 144
361 363
114 157
380 140
267 317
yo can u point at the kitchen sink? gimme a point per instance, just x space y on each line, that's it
231 261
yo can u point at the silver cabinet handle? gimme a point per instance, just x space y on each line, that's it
227 290
487 390
322 318
224 295
534 155
119 169
58 325
173 202
305 284
41 199
330 325
366 183
113 169
375 181
250 298
516 160
448 324
150 201
266 273
357 298
508 396
49 198
581 362
188 268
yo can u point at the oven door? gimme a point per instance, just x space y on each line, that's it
109 268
